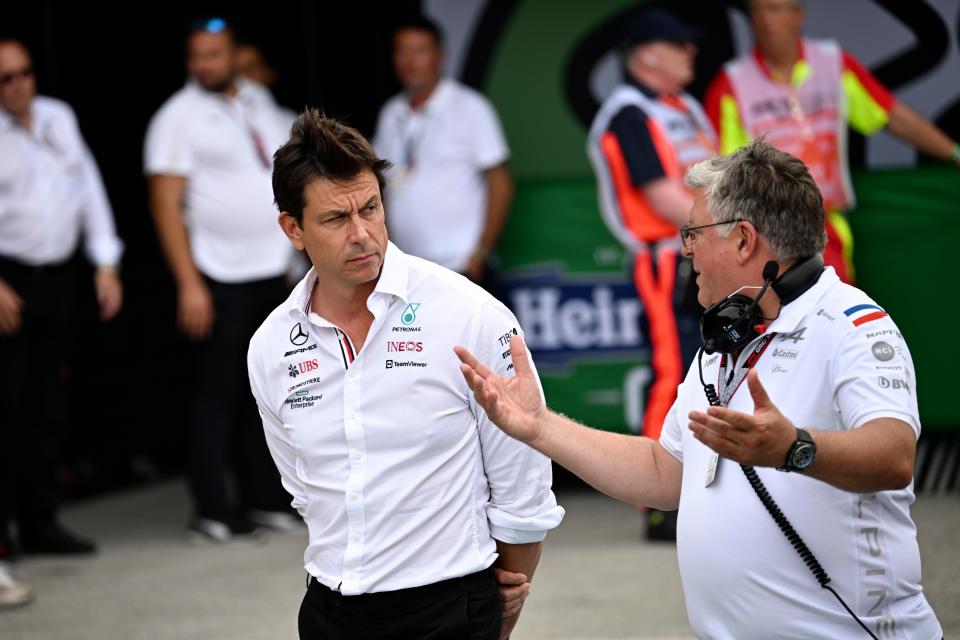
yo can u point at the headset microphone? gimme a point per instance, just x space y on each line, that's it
730 324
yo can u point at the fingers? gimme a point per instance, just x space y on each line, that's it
760 398
509 577
722 429
471 361
9 321
514 589
518 354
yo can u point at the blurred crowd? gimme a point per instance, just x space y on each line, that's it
208 162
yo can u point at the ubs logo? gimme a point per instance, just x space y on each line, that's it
298 336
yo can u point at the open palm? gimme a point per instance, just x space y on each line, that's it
513 403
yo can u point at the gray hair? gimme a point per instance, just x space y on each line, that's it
769 188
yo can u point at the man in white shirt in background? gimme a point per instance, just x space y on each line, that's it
51 193
449 190
411 496
208 158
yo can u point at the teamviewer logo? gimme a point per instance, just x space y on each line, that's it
389 364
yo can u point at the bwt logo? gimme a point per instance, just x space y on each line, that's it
308 365
404 346
563 319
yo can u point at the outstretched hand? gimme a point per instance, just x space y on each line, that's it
513 403
761 439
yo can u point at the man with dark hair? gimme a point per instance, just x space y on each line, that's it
51 196
208 157
450 189
412 498
828 417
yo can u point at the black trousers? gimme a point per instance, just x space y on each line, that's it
466 608
33 392
225 427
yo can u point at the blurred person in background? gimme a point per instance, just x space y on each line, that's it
51 194
208 157
801 94
252 64
642 140
450 190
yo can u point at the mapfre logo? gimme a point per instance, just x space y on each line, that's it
396 347
308 365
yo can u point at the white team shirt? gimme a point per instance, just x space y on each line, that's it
436 199
229 209
51 191
741 577
399 474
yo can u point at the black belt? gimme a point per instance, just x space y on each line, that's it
401 598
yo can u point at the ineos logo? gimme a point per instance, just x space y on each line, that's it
298 336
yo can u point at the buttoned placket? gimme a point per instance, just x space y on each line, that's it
353 426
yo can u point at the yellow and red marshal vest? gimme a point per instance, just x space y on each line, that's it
807 121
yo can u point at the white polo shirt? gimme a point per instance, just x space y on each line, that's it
51 190
224 148
436 199
838 361
400 476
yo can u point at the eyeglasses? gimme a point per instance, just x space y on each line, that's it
688 234
19 74
210 25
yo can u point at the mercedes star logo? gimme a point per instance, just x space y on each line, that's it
298 336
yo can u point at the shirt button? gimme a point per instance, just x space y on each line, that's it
354 495
354 374
352 415
356 455
355 537
350 575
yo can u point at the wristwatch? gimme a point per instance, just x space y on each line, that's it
801 453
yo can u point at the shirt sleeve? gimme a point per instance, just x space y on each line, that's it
874 377
101 243
672 433
166 149
281 447
522 506
489 146
868 102
632 132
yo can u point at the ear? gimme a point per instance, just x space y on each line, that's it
291 228
748 242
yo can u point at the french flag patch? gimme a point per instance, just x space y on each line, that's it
864 313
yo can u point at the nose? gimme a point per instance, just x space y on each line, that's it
358 232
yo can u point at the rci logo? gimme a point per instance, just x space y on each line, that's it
409 315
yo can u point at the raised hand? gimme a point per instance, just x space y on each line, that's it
761 439
513 403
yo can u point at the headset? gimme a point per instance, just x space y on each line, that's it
730 325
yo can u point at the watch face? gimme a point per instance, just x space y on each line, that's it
803 455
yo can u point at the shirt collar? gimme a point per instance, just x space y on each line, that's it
393 281
792 314
244 89
440 94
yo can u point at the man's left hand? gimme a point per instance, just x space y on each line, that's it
514 589
109 292
760 440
